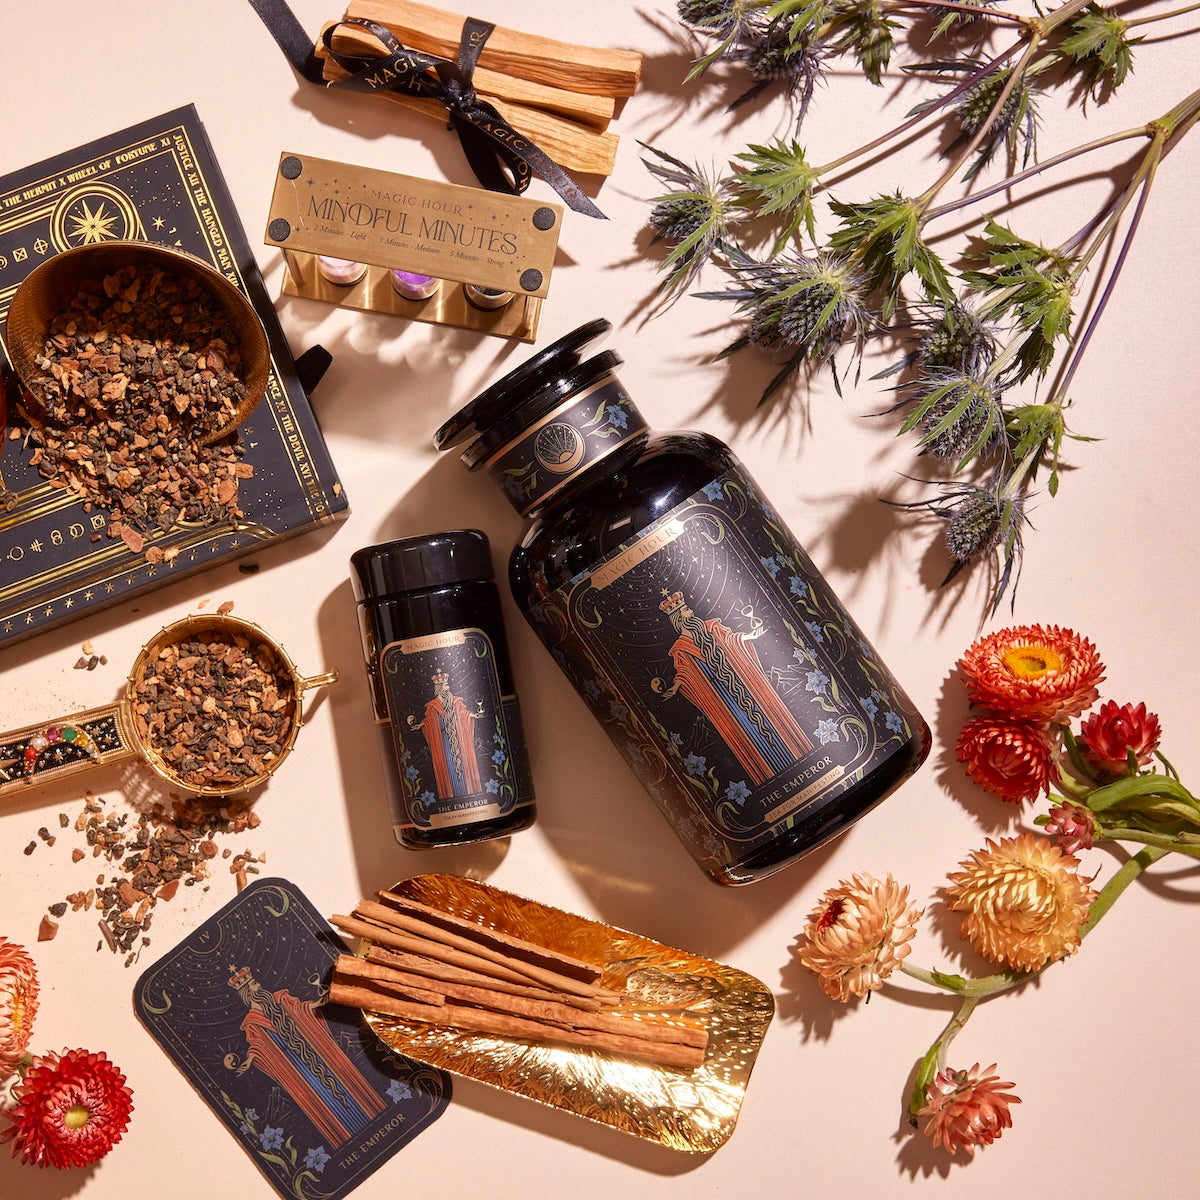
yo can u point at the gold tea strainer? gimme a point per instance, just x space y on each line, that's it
49 288
108 734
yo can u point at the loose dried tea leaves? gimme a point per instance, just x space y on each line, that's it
138 370
216 708
157 853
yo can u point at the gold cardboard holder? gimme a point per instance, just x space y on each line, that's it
461 235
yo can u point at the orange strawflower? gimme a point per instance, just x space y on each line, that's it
967 1108
1039 672
1013 758
1022 900
858 934
18 1004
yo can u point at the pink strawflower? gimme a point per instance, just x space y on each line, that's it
858 934
1071 827
71 1110
967 1108
1107 736
1039 672
1013 758
18 1004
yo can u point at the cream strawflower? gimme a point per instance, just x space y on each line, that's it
1023 901
857 935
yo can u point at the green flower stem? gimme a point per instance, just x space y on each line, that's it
1129 871
1136 787
978 989
935 1056
1180 843
1139 186
1003 981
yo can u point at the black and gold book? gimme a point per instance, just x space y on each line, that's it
157 181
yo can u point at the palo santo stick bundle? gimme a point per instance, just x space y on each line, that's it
588 69
449 971
593 111
559 95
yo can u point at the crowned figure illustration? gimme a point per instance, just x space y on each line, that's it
717 669
449 727
289 1041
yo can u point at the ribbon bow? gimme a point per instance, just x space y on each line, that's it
502 159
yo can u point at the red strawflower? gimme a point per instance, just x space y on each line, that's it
967 1108
1107 736
1014 759
18 1004
1039 672
71 1110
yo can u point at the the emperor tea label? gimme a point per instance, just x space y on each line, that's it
458 740
726 671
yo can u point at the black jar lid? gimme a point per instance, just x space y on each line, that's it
539 378
415 563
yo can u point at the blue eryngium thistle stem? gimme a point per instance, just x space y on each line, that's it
1172 125
916 119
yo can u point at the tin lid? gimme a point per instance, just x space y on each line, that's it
415 563
531 379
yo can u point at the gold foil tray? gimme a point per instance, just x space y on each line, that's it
693 1111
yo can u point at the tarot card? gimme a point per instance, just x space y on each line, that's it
309 1091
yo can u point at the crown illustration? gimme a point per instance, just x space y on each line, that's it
240 977
439 676
673 603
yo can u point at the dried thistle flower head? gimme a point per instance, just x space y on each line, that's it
858 934
959 414
1014 125
808 307
958 339
697 215
1022 901
975 527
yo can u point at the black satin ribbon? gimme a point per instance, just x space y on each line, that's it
502 159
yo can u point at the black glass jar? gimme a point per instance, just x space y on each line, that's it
688 617
441 682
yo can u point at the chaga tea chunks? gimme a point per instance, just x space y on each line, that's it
216 709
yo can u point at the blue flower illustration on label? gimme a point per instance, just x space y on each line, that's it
451 726
726 670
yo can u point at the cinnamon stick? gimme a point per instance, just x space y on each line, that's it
497 949
534 952
550 1012
479 1020
594 112
439 972
418 945
594 71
